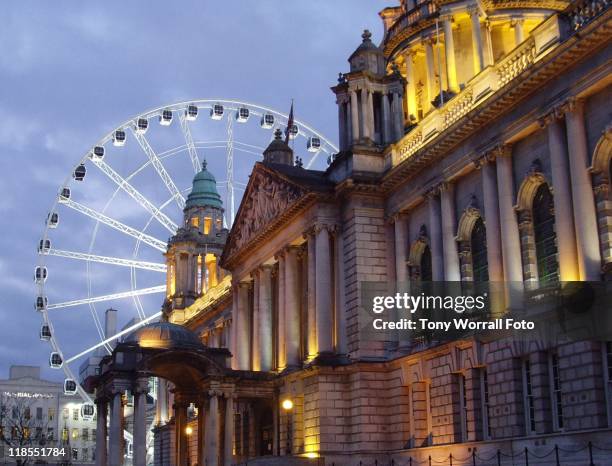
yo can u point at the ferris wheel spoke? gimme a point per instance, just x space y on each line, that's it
193 154
230 168
160 169
109 297
154 266
117 225
113 337
136 195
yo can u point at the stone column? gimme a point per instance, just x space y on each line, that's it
491 217
564 215
355 116
452 272
371 122
178 273
161 407
228 433
292 306
255 348
264 322
180 424
386 111
101 432
511 245
312 316
401 251
191 274
115 451
435 240
342 124
585 219
140 424
411 87
242 327
323 290
365 114
283 312
339 306
489 59
212 429
519 33
202 430
449 48
432 91
477 47
398 116
234 327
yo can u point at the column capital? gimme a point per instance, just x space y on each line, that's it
514 22
446 17
571 105
266 268
215 393
140 386
473 10
428 40
309 232
499 151
433 192
445 186
331 228
398 217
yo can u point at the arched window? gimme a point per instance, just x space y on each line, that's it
425 265
478 247
545 236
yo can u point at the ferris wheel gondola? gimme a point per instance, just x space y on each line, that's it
115 204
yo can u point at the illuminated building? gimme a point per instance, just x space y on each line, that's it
475 146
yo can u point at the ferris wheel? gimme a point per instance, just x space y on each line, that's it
106 232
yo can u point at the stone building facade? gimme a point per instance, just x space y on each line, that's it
36 413
475 146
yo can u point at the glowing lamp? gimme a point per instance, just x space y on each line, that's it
287 404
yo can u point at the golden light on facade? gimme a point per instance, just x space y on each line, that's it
287 404
188 430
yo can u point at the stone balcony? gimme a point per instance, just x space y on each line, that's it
493 80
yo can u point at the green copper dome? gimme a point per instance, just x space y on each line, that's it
204 191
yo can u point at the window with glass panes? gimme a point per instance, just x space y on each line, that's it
478 247
425 265
545 236
530 425
557 398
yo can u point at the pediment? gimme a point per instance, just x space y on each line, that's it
270 198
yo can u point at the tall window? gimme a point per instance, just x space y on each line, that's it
528 399
486 412
425 265
463 406
545 236
608 377
478 246
556 395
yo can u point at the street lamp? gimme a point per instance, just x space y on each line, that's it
287 405
188 433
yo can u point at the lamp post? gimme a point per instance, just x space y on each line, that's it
188 433
287 406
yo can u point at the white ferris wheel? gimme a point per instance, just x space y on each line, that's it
107 229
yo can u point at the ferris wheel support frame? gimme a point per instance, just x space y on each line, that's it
141 236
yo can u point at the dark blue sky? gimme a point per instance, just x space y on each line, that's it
73 71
